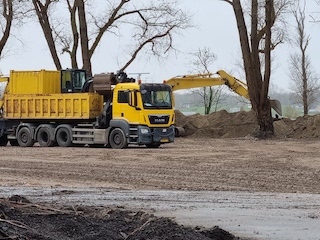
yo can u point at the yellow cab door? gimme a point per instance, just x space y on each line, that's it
125 103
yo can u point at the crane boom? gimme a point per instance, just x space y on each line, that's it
207 80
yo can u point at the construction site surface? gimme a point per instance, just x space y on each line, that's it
253 189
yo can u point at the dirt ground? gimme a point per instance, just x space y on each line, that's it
245 164
213 157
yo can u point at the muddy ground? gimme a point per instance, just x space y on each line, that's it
244 164
21 219
287 164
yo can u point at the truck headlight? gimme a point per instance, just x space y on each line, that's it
144 130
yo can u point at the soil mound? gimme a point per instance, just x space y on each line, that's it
302 127
219 124
20 219
222 124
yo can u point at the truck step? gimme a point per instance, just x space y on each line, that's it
83 136
85 125
83 142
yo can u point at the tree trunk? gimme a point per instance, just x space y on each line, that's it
75 34
257 88
304 73
8 15
42 13
86 59
265 119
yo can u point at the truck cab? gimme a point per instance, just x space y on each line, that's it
144 112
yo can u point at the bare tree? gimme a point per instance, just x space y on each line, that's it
13 13
6 18
211 96
316 14
152 26
306 83
256 45
42 11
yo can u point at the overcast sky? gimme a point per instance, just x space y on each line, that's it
215 29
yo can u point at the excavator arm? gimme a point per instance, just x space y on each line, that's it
207 80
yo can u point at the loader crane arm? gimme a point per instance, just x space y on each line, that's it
207 80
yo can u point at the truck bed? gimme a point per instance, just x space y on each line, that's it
53 106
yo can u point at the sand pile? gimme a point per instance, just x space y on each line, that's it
302 127
222 124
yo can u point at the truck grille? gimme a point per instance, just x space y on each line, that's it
159 119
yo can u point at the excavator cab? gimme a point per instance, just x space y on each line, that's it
72 80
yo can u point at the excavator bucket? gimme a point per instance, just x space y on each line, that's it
276 105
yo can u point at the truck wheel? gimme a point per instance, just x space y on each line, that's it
117 139
25 138
3 140
64 138
44 137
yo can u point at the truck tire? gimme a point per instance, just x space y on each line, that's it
64 138
117 139
25 137
44 137
3 140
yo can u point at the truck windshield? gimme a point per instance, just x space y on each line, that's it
156 96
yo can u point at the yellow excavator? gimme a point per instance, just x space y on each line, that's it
207 80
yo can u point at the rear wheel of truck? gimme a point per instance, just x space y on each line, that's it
117 139
3 140
44 137
64 138
25 137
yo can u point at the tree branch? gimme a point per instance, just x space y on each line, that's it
150 40
227 1
8 15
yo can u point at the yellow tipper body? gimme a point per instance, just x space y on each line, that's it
37 95
53 106
34 82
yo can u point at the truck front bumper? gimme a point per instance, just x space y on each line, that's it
148 135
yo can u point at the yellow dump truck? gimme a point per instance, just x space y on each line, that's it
65 108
